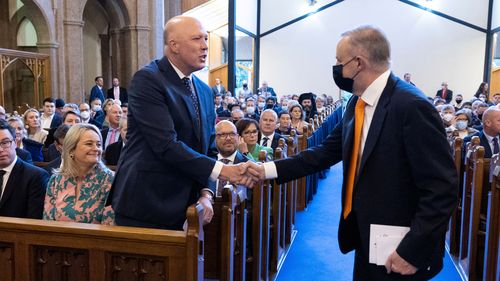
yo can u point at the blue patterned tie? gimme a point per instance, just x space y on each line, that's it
495 145
187 83
222 183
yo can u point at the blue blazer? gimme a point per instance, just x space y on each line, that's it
164 165
483 142
24 192
95 92
406 176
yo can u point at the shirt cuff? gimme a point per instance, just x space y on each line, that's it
216 170
209 190
270 170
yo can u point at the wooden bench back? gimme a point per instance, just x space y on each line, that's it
491 267
52 250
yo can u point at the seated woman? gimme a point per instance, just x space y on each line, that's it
297 115
461 123
249 132
17 124
79 189
33 125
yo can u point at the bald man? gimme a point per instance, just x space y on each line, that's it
489 135
166 165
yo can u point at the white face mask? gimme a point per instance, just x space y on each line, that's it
96 107
461 125
448 117
85 115
284 107
250 110
261 104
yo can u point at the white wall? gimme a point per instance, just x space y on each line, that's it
299 57
496 14
246 15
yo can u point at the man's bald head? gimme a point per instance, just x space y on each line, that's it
491 121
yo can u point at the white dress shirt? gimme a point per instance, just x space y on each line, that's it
116 93
46 121
371 97
269 139
490 141
8 171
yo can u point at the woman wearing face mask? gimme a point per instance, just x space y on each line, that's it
96 112
461 123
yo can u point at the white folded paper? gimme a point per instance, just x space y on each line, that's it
384 239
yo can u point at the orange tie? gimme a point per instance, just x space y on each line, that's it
359 116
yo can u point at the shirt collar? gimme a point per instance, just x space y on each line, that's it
179 72
488 137
9 168
230 158
371 95
270 137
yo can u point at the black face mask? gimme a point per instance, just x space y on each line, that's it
245 85
269 106
343 83
458 101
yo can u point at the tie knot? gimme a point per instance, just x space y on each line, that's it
360 103
495 140
2 172
225 161
187 82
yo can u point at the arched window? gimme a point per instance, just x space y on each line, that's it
26 34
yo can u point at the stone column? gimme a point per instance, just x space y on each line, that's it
73 31
107 72
51 48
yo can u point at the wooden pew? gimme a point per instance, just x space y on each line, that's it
491 268
36 250
466 198
477 235
219 237
455 220
302 182
291 193
277 246
240 233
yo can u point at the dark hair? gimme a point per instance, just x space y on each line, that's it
244 123
271 98
97 77
70 112
218 95
4 125
61 132
125 104
51 100
283 112
480 90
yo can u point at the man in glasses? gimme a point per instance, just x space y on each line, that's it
22 186
226 141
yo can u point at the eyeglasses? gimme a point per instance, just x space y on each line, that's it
226 135
247 133
6 144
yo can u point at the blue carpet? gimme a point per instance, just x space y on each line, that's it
315 254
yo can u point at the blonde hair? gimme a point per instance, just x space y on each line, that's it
69 166
25 118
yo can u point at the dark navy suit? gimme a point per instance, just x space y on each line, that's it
406 178
95 92
164 165
483 142
24 192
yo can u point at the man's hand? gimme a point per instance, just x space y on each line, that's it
208 211
237 174
396 263
256 170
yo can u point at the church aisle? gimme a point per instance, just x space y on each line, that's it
315 254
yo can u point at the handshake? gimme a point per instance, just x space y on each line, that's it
246 174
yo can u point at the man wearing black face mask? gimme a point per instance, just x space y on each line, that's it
398 169
458 102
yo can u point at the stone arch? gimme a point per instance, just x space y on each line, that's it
36 16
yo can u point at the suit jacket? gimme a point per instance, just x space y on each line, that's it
24 192
113 152
483 142
54 164
104 134
449 95
56 121
216 91
123 95
269 90
404 179
24 155
95 92
275 142
164 164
